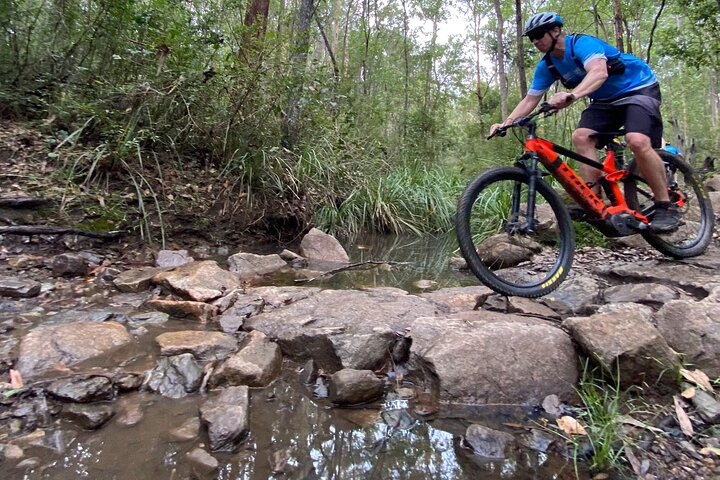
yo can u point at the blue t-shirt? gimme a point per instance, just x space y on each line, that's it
637 75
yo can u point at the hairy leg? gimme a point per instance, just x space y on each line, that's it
651 166
585 146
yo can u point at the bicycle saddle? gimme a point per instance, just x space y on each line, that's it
604 138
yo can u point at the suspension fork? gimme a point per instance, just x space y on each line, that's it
532 170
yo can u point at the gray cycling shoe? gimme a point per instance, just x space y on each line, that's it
666 220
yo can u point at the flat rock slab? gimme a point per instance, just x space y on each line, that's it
198 281
18 288
488 357
342 328
67 344
458 299
700 275
136 280
640 293
248 265
199 311
205 346
576 295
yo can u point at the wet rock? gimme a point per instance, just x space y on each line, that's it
69 264
488 357
18 288
342 329
537 440
226 417
202 463
256 365
67 344
28 463
249 265
486 442
189 430
148 318
693 330
243 306
106 276
12 453
499 252
199 311
458 263
640 293
317 245
83 388
23 262
131 415
575 296
276 297
136 280
198 281
352 387
127 381
295 260
34 413
89 417
175 376
624 340
458 299
205 346
172 258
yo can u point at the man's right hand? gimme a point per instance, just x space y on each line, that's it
494 127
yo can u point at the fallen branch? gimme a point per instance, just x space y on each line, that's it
50 230
348 267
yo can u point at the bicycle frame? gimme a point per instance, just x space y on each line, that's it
548 154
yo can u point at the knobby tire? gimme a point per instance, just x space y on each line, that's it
691 239
563 246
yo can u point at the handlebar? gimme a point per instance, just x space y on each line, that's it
545 108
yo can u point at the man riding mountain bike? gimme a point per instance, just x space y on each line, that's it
623 91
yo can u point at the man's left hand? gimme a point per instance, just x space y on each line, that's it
561 100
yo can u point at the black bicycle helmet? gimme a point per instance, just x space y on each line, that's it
542 22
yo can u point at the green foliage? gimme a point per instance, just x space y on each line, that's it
605 406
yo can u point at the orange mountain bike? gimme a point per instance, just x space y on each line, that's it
516 211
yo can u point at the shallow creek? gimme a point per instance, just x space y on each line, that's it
293 433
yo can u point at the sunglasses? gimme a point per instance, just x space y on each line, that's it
536 36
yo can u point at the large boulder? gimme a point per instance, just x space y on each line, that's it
318 245
693 330
342 328
67 344
624 341
198 281
488 357
18 288
501 251
458 299
352 387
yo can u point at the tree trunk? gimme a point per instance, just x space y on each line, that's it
714 83
652 31
256 15
477 28
298 64
618 23
502 76
522 78
406 65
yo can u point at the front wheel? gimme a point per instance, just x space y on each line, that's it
510 252
688 196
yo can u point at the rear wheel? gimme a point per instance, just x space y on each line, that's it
695 234
508 251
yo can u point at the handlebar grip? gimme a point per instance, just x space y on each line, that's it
500 132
